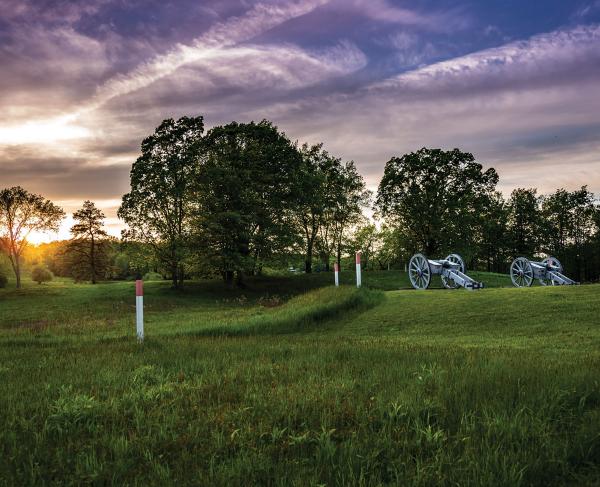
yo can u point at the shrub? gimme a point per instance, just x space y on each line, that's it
152 276
3 279
41 274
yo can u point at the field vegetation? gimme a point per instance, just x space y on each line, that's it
293 382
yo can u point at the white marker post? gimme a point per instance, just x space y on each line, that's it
358 276
139 309
336 272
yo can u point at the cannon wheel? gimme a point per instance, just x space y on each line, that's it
521 272
455 259
554 262
419 271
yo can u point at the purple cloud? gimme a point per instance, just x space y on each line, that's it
371 79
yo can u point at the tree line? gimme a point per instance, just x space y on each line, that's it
242 196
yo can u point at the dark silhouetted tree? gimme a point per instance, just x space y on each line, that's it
524 222
88 250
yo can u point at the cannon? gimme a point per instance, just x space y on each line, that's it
548 272
451 270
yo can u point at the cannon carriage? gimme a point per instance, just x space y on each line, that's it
548 272
451 270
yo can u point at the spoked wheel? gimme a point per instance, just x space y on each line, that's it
556 265
419 271
455 259
521 272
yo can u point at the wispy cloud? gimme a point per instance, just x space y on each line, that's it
224 34
523 61
386 12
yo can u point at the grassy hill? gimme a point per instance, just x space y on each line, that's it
290 383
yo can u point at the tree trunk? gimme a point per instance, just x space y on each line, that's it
228 278
93 261
240 279
181 276
326 263
174 277
308 258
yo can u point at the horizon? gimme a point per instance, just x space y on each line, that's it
84 82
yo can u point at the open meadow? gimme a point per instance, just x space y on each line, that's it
294 382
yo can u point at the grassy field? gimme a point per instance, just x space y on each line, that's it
289 382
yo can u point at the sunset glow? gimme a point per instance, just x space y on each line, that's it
41 132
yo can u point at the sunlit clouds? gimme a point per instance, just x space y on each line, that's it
83 82
42 132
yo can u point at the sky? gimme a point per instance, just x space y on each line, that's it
82 82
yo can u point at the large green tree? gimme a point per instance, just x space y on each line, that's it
245 193
434 198
157 209
21 213
89 249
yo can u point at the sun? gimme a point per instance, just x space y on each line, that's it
36 238
42 131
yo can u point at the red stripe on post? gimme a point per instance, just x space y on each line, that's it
139 287
358 257
336 268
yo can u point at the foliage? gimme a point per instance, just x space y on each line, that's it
347 197
568 227
245 189
89 247
152 276
390 247
310 212
21 213
157 209
134 259
365 239
41 274
4 268
524 221
492 236
435 198
331 198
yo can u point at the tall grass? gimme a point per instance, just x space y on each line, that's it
331 387
298 314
